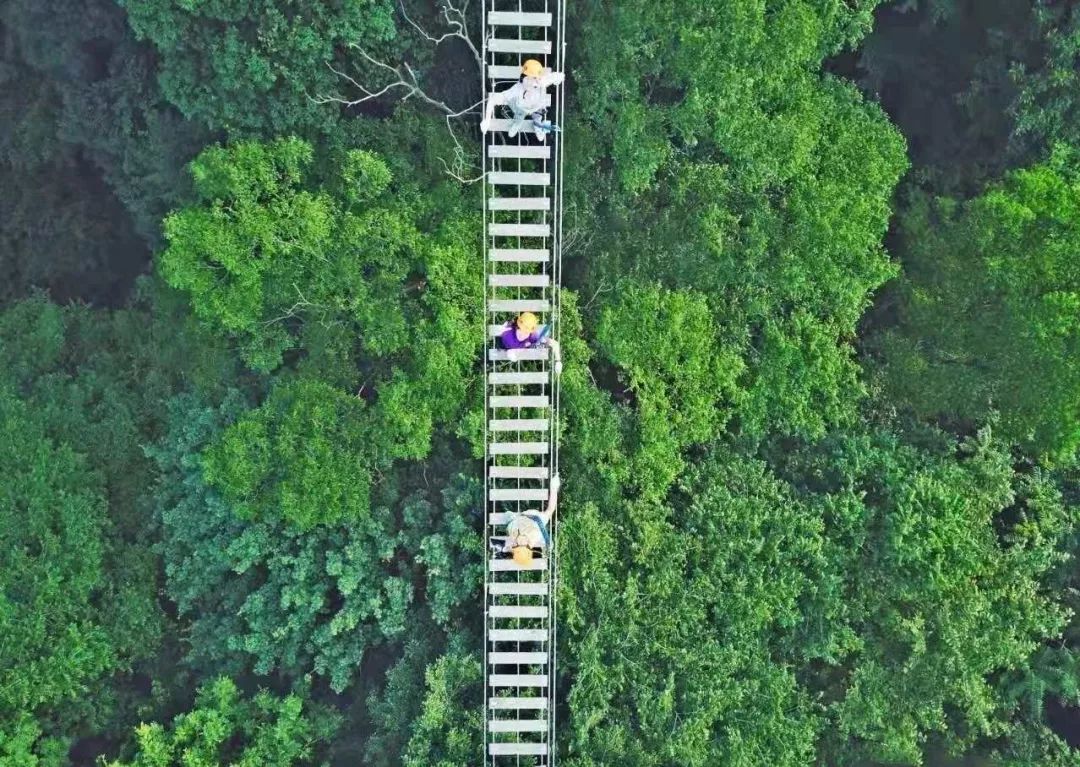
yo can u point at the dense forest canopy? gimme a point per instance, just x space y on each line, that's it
821 400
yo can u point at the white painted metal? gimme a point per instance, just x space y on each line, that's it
515 378
518 749
516 305
518 19
518 424
519 203
520 355
519 472
510 703
517 725
518 178
517 658
522 205
519 280
525 151
504 45
517 635
547 103
519 230
517 611
518 448
519 254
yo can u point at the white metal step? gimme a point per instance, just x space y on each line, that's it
518 19
519 280
501 379
519 254
504 704
524 151
515 589
509 565
518 230
517 749
519 203
519 472
517 658
517 178
516 305
518 424
508 45
520 355
517 494
517 680
503 72
517 611
517 401
517 635
518 448
517 725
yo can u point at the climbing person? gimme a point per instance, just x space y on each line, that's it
528 530
525 99
525 332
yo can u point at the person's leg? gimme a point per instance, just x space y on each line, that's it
537 120
518 122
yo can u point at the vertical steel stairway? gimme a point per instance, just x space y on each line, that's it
522 206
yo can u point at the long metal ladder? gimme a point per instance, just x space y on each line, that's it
522 206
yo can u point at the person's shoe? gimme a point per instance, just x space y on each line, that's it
495 547
513 129
540 133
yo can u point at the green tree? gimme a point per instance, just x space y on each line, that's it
989 307
247 67
224 727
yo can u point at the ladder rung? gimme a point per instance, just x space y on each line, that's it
519 203
519 254
517 611
519 230
503 72
517 635
519 472
518 19
509 45
517 680
500 379
519 280
517 658
521 355
518 178
516 305
518 448
515 589
518 424
503 704
517 749
518 401
517 725
517 494
524 151
509 565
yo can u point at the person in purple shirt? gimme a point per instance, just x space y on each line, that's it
525 332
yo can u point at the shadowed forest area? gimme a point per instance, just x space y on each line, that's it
821 397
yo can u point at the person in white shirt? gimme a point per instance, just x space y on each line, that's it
526 99
528 530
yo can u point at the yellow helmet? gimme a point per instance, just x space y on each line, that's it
527 321
532 68
523 556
